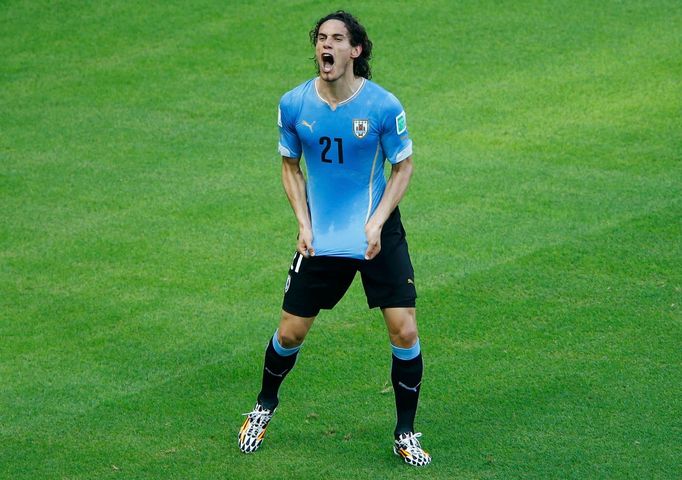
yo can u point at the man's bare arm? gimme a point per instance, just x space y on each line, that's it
395 190
294 186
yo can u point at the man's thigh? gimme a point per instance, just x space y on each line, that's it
316 283
388 279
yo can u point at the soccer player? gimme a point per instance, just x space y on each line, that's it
345 127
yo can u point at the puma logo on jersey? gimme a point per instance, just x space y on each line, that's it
309 125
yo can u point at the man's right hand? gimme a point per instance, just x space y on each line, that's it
305 243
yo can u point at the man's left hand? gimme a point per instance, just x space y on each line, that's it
373 234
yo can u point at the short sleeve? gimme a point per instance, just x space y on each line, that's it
289 143
395 139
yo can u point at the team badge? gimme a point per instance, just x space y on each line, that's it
360 128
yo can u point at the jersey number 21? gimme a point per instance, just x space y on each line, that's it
327 142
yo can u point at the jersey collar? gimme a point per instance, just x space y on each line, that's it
364 80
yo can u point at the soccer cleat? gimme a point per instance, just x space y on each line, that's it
253 430
408 447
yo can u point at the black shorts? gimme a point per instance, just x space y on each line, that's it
316 283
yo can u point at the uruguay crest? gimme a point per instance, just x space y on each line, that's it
360 128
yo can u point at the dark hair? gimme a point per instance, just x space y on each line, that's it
358 36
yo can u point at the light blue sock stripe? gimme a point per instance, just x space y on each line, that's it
407 353
284 352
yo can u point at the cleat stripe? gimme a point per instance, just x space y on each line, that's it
244 429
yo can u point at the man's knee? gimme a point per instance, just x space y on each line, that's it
293 329
406 337
402 326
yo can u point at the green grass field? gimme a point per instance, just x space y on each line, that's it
145 239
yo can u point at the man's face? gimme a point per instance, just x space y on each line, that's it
333 50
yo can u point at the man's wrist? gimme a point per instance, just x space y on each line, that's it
375 223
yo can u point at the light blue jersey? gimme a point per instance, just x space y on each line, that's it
344 151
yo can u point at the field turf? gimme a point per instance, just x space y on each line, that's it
145 238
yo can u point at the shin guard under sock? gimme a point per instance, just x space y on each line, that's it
406 376
278 363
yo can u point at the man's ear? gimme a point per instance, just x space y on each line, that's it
356 51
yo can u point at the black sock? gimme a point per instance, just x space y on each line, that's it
406 376
275 368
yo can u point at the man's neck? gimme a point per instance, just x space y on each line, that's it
339 90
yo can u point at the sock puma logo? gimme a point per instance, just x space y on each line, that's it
280 375
411 389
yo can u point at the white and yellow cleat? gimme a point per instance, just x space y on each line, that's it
408 447
253 430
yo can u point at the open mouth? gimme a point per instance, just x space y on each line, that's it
327 62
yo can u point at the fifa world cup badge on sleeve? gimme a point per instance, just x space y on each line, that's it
401 123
